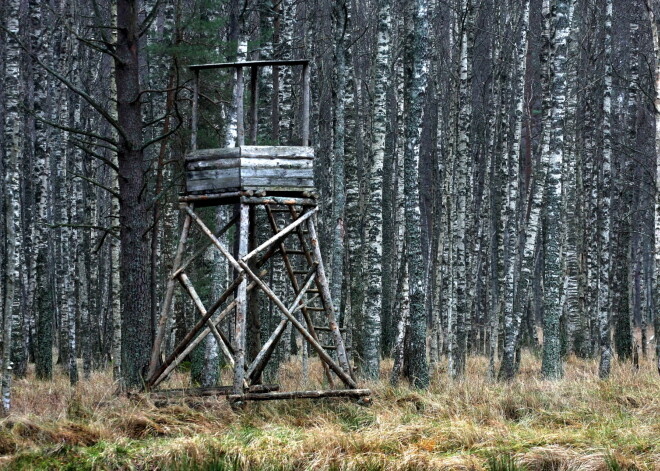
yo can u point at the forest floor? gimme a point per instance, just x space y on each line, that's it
579 422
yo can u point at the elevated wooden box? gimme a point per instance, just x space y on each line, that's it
270 168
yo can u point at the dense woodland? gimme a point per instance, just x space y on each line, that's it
486 171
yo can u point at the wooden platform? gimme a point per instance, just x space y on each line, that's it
272 168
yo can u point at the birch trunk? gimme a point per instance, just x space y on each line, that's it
374 216
552 367
12 147
415 79
656 271
604 199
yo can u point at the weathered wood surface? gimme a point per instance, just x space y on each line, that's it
280 168
265 63
251 152
355 393
213 391
241 307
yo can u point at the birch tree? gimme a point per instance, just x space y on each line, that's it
374 216
552 367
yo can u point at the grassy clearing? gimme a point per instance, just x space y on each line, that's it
578 423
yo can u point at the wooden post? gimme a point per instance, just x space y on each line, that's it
305 105
253 333
167 304
195 110
241 305
254 97
324 287
240 122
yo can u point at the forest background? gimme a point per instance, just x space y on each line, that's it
487 175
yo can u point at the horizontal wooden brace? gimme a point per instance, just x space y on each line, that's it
355 393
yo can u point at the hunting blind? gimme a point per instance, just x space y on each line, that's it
278 183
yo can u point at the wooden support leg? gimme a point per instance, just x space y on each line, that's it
241 305
324 288
253 318
167 304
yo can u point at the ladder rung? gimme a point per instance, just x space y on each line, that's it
300 272
332 347
295 252
312 291
317 309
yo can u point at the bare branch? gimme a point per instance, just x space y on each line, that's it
94 182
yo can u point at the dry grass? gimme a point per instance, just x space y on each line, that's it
579 423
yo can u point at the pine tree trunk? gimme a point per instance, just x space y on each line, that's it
134 259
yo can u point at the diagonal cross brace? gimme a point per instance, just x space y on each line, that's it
343 375
257 365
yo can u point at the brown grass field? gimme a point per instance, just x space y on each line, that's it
578 423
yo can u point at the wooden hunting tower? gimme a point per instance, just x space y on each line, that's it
278 182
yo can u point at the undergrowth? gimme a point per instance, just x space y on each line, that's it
579 423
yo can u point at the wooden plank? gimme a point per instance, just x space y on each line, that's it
278 183
354 393
283 162
282 200
213 164
289 152
248 173
302 191
213 154
211 185
228 174
213 196
266 63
